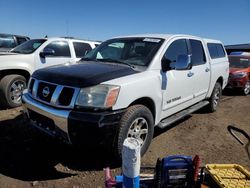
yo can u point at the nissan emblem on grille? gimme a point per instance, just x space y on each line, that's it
45 91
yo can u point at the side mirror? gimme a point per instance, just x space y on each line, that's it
183 62
165 64
47 52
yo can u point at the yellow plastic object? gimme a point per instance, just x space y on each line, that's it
229 175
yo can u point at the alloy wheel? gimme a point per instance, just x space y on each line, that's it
216 97
139 130
247 88
15 91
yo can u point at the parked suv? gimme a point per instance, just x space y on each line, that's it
17 66
239 77
127 86
7 41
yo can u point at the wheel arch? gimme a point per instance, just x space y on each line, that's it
148 102
21 72
220 81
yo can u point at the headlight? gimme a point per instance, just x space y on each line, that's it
239 74
100 96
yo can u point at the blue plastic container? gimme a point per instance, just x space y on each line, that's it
177 171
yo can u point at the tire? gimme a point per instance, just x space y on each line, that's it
246 89
215 98
142 117
11 87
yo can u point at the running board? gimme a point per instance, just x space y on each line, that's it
171 119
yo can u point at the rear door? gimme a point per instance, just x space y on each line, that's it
201 70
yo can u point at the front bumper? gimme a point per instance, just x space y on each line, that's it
76 127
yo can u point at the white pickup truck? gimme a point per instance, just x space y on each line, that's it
126 87
17 66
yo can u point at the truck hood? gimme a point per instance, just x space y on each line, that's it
234 70
84 74
7 56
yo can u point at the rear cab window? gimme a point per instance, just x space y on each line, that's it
216 50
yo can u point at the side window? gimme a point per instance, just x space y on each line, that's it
198 55
212 50
216 50
61 48
81 49
20 40
221 50
178 47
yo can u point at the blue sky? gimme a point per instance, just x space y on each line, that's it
226 20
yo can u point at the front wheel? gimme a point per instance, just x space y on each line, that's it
11 87
137 122
246 89
215 98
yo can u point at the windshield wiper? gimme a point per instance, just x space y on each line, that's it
116 61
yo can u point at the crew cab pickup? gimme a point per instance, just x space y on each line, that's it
17 66
126 87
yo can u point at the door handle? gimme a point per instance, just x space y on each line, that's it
190 74
207 69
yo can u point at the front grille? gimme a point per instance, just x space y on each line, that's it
66 96
45 91
31 84
53 94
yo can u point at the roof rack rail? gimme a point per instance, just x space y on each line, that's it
68 37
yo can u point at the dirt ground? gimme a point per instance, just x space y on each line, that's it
31 159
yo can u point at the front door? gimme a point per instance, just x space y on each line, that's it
61 56
177 87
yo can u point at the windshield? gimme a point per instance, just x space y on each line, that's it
29 46
130 51
236 62
7 41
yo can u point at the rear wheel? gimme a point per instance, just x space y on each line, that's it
137 122
246 89
11 87
215 98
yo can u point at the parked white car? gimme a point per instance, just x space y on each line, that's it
127 86
17 66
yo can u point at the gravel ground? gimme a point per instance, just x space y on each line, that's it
31 159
